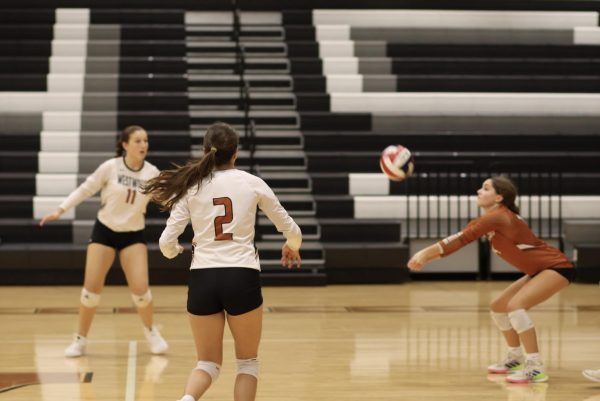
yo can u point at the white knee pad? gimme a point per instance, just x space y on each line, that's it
520 320
89 299
213 369
248 367
141 301
502 321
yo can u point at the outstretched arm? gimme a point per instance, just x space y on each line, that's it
424 256
475 229
52 216
93 183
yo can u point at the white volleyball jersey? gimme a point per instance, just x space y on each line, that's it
223 215
122 205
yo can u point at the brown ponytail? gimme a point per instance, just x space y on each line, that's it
505 187
220 144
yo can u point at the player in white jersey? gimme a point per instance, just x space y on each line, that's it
118 228
224 284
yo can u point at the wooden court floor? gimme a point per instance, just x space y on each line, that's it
423 341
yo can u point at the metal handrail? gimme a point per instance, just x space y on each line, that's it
244 88
533 189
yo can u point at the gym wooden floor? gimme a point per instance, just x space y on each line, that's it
420 341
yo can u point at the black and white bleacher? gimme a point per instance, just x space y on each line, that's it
468 91
514 90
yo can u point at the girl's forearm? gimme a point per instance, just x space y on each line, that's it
431 253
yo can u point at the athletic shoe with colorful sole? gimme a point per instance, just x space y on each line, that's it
533 372
508 366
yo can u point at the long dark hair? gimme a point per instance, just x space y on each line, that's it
124 136
506 187
220 144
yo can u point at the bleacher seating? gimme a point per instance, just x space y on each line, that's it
469 92
478 89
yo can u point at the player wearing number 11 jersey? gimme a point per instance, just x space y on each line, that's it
224 283
119 228
122 207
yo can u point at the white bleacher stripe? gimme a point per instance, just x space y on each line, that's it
39 101
340 65
261 18
586 36
59 141
69 48
226 18
448 19
489 104
61 121
60 131
58 162
71 31
368 184
42 205
336 48
66 83
344 83
394 207
55 184
208 18
573 206
72 16
332 32
67 65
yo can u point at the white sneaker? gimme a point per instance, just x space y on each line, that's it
511 364
157 344
593 375
533 372
77 347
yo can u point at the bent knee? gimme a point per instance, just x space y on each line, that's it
514 305
498 306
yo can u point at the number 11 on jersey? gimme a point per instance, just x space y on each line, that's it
131 196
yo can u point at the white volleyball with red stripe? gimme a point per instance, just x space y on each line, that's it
397 162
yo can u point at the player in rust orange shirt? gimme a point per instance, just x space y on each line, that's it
547 271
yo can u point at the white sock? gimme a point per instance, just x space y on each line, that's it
187 397
515 350
534 357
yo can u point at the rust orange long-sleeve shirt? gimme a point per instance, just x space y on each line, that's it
511 239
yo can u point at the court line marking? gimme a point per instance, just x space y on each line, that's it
591 337
131 365
330 309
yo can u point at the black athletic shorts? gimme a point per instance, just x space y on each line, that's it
118 240
233 289
570 273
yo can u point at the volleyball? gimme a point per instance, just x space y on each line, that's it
396 162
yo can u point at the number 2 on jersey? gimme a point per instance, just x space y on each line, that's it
225 219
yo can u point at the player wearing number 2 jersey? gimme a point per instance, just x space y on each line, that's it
221 202
119 228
